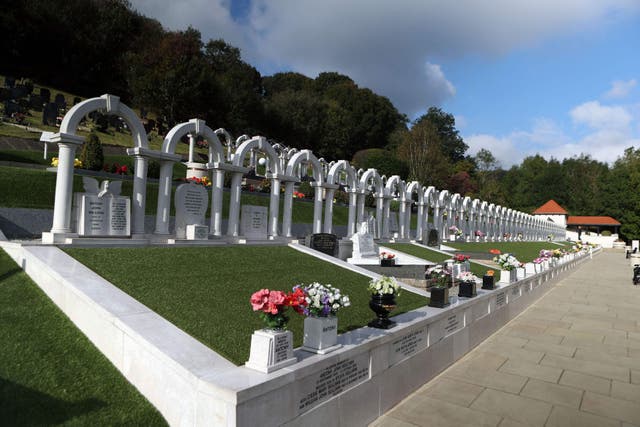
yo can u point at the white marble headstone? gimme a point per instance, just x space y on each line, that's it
364 246
254 222
191 203
101 211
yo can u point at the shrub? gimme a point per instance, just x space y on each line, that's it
153 169
306 189
92 156
606 233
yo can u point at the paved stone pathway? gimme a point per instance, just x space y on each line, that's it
571 359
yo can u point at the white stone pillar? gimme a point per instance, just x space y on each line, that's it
233 224
437 221
215 227
402 222
287 208
317 207
64 186
361 199
328 209
419 221
385 218
379 213
163 211
274 208
139 194
192 143
351 222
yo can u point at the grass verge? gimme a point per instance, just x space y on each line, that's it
205 291
433 256
49 371
523 251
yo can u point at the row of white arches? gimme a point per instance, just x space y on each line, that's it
435 209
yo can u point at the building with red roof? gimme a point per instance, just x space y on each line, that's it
579 224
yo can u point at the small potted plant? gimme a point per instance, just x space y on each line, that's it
383 300
508 264
467 286
387 259
320 304
439 276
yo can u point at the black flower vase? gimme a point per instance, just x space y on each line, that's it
382 305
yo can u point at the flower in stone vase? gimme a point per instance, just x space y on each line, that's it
387 255
460 258
507 262
455 230
320 300
467 277
272 307
384 286
439 275
479 233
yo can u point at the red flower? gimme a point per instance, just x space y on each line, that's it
494 251
297 300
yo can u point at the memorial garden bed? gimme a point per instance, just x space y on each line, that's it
35 387
206 291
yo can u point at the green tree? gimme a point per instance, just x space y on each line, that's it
421 150
384 161
92 155
622 195
451 143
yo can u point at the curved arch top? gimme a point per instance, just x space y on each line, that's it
306 156
199 127
343 166
261 143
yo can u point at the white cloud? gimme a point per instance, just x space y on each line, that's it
598 116
394 48
621 88
605 131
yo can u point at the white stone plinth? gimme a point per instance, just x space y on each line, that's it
321 334
197 232
271 350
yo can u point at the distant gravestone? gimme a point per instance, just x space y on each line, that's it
5 94
60 101
45 94
254 222
149 125
143 113
393 222
326 243
433 238
50 114
191 206
11 107
76 100
35 102
101 211
9 82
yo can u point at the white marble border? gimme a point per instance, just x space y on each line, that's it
192 385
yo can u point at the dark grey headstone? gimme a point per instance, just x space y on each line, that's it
50 114
324 242
143 113
9 82
149 125
62 103
5 94
45 94
433 238
35 102
76 100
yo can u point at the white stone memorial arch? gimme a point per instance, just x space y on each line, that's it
68 142
416 188
371 182
394 189
216 163
299 160
339 168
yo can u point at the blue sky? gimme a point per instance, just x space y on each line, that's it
558 78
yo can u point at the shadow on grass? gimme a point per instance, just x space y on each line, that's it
8 274
20 405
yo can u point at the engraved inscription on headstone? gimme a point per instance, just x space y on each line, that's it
325 242
119 210
407 345
331 381
453 323
101 211
254 222
281 348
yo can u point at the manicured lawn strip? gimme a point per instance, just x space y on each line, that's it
50 373
206 291
524 251
431 255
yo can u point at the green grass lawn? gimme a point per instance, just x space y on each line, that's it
431 255
50 373
206 291
523 251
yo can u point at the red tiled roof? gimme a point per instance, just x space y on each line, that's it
551 207
591 220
